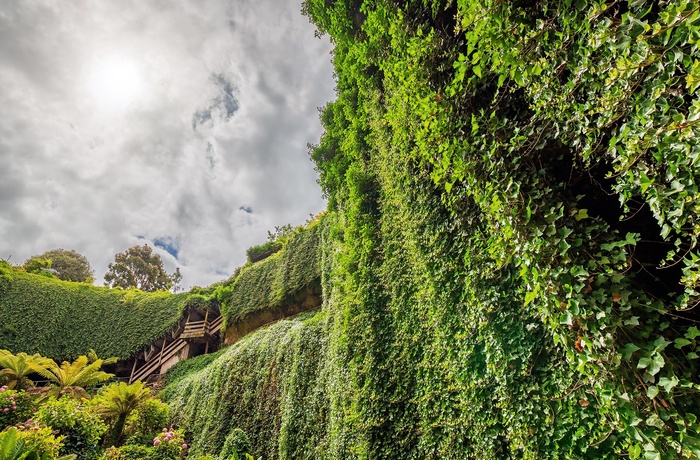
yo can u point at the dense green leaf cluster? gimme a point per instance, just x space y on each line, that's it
63 320
275 281
492 298
263 251
269 386
510 266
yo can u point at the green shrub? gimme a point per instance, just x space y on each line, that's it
144 423
45 442
236 443
263 251
15 407
80 425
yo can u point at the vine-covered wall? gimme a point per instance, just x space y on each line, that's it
269 384
510 266
278 280
63 320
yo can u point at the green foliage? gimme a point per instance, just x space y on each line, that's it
146 421
138 267
39 266
188 366
73 378
46 444
16 368
79 423
15 447
66 265
263 251
236 443
274 282
64 320
488 296
167 445
15 406
116 402
267 386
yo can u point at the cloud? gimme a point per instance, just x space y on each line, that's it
222 106
226 105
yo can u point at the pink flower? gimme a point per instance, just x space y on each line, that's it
156 441
184 446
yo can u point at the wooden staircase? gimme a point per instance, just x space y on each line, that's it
193 331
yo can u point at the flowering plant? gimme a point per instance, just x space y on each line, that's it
15 407
170 444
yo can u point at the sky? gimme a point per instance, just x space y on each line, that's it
182 124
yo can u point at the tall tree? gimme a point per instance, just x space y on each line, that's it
67 265
139 267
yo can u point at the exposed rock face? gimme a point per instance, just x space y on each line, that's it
305 300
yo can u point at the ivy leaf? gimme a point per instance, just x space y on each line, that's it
680 342
643 363
655 421
667 383
628 350
660 344
692 333
652 391
581 214
657 362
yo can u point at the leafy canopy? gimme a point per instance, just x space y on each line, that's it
138 267
67 265
17 367
72 378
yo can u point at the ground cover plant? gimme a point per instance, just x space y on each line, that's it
273 282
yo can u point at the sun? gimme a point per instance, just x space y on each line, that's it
114 82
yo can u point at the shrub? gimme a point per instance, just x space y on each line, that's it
45 442
145 422
263 251
169 444
237 443
80 424
15 407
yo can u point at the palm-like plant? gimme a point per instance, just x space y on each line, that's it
72 378
117 401
17 367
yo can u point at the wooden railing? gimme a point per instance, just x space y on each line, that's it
153 365
201 328
192 329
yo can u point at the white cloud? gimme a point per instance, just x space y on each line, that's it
81 174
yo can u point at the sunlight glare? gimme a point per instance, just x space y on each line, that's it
114 82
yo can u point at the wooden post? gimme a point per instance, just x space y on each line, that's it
160 358
133 369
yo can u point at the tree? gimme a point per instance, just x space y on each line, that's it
17 367
67 265
117 401
140 268
72 378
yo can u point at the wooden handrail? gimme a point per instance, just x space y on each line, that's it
149 367
155 360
